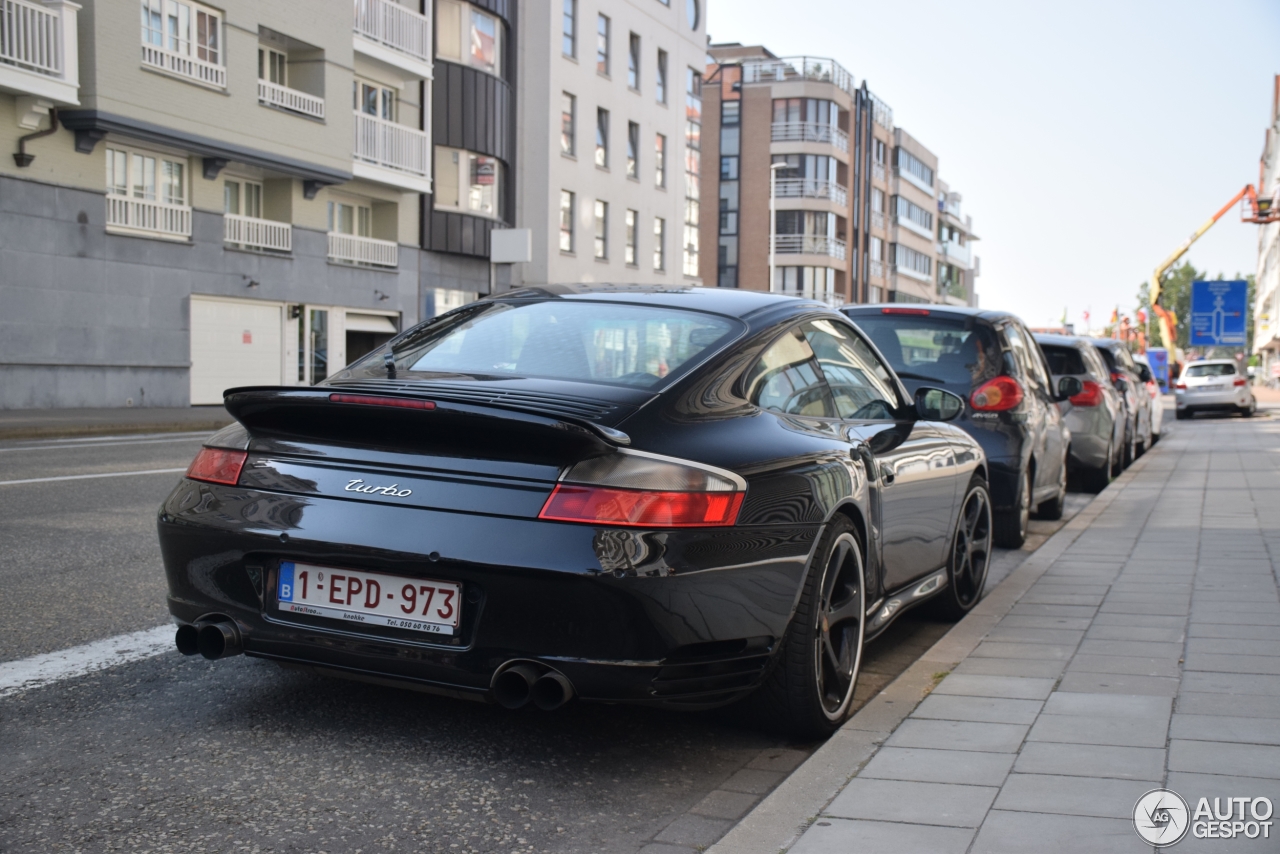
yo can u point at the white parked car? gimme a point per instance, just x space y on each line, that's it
1153 388
1213 385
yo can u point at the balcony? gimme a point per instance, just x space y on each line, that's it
903 270
275 95
149 218
392 154
881 113
394 34
181 65
811 132
877 220
809 244
913 226
878 172
248 232
797 68
810 188
39 53
363 251
954 253
877 269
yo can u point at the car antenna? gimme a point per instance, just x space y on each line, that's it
389 362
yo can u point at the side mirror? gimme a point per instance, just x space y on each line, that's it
1069 387
935 404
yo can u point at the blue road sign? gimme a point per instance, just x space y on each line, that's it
1158 361
1218 313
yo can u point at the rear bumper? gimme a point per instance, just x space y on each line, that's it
1091 433
686 618
1201 401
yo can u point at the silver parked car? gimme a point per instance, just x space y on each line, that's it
1137 400
1153 388
1095 416
1213 385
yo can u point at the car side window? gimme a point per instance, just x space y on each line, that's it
861 384
1097 367
787 379
1020 354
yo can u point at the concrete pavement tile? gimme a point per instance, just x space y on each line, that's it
693 830
1019 634
1074 729
1008 832
1136 633
1193 787
1233 646
1234 630
722 804
883 837
1050 584
1051 598
1140 706
1153 649
1217 757
1154 621
958 735
1013 687
1028 667
1208 682
753 781
909 801
940 766
659 848
1033 610
1091 760
1001 649
1101 797
990 709
1127 664
778 759
1239 705
1223 727
1035 622
1251 618
1145 608
1268 665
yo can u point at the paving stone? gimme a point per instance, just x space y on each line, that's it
1026 667
1091 760
1260 664
1101 797
978 685
1230 683
1009 832
1239 705
1019 634
999 649
1131 647
1136 633
753 781
1193 787
1244 618
722 804
1221 727
1233 646
1051 598
836 834
1216 757
1034 610
659 848
1141 620
1036 622
989 709
913 802
940 766
1076 729
1127 664
778 759
1148 608
694 830
1142 707
958 735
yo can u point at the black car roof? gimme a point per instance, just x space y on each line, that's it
733 302
933 308
1061 340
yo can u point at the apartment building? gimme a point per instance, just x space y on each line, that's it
957 266
611 170
1266 307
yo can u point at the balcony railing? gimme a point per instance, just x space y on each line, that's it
877 269
144 215
392 146
275 95
881 113
878 172
394 26
249 232
184 66
362 251
811 188
788 68
877 219
809 244
954 253
810 132
31 37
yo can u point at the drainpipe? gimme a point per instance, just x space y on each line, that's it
21 157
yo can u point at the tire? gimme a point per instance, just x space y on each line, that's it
1011 525
1130 449
970 555
1054 507
1181 414
1096 480
809 692
1247 411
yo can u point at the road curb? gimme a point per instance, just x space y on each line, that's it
777 822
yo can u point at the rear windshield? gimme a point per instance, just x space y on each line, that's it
632 345
1211 370
935 349
1064 360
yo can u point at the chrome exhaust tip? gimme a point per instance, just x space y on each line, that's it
552 690
513 685
218 640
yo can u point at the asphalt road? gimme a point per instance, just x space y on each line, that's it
180 754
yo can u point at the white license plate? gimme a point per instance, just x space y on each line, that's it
371 598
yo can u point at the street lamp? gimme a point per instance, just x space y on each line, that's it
773 222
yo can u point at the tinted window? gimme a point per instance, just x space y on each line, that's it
1210 370
787 379
1026 353
1108 357
597 342
1096 365
935 348
1064 360
860 383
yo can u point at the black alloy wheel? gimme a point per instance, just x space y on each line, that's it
1054 507
1130 446
970 554
1011 525
1096 480
809 693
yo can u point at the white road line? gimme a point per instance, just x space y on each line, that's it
89 476
39 670
192 437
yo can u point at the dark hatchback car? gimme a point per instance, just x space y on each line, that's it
676 497
992 361
1127 377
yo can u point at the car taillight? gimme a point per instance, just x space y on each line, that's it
636 490
1238 381
997 395
375 400
217 465
1116 376
1180 386
924 312
1091 396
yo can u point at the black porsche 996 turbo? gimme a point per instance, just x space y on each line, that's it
677 496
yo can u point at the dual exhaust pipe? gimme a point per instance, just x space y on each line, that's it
213 639
518 683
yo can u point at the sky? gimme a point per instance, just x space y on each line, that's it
1088 139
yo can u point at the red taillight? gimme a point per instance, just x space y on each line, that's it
371 400
997 395
602 505
917 311
1180 386
1116 376
1091 396
217 465
1239 381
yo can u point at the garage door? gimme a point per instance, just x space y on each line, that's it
233 343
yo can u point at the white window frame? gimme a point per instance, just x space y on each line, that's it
171 40
631 223
568 224
455 45
387 99
361 218
246 190
466 194
135 157
600 218
267 57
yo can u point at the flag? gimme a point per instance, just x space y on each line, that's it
1063 321
1142 317
1115 315
1086 317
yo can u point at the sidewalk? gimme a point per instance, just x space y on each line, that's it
61 423
1139 648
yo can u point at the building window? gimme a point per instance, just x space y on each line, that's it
243 198
469 36
633 62
468 182
905 256
660 161
602 138
633 150
568 121
187 29
878 151
629 254
566 221
811 282
877 200
904 208
659 243
146 177
375 99
602 44
273 66
812 111
350 218
692 168
569 40
660 86
602 230
727 256
909 163
877 249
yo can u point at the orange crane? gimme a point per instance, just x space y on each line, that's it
1261 211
